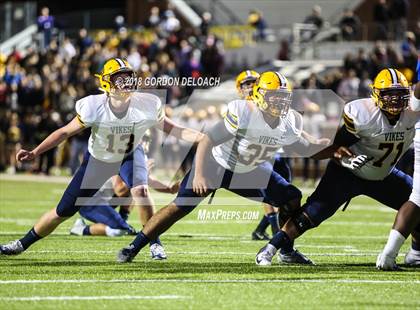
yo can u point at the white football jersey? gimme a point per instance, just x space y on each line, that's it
114 136
383 142
255 141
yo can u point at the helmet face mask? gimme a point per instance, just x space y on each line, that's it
272 93
117 78
393 100
391 91
278 102
245 82
246 88
122 81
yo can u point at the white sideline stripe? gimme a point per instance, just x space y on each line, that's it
41 298
357 281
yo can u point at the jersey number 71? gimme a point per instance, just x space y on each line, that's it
389 147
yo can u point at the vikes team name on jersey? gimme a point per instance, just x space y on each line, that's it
268 140
385 143
394 136
114 137
122 129
255 141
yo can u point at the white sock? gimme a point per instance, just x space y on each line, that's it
394 243
111 232
271 248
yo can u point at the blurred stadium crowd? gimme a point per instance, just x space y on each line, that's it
38 88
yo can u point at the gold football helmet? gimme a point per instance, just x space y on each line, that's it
390 91
245 82
112 78
273 93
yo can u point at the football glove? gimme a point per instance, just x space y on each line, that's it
354 162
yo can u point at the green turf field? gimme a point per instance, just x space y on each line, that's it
210 265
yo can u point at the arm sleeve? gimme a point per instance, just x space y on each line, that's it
85 112
344 137
219 133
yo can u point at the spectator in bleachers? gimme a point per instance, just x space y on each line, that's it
256 20
134 58
154 18
206 20
83 41
349 25
409 49
315 17
284 51
416 32
398 11
349 86
170 23
119 22
13 141
45 26
381 18
364 87
212 57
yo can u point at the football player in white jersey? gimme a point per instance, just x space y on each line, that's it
234 155
381 128
118 118
408 216
245 81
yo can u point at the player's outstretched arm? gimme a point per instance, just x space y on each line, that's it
180 132
51 141
307 144
341 153
199 184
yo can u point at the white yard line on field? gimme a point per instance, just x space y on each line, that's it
212 253
356 281
50 298
29 221
241 238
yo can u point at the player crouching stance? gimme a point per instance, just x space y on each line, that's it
380 127
245 82
119 118
232 156
408 217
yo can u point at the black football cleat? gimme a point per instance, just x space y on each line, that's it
126 255
257 235
294 257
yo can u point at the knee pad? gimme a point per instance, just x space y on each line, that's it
285 212
302 222
66 210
